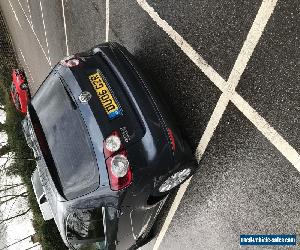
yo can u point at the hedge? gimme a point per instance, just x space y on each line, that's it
47 231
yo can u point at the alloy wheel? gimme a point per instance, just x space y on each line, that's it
174 180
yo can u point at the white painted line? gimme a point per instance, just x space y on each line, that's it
185 47
228 89
16 17
267 130
24 13
258 26
31 26
171 213
65 26
107 20
45 32
212 125
205 139
29 10
26 66
264 13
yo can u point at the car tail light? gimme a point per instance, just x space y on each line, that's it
112 144
117 163
119 171
172 139
70 62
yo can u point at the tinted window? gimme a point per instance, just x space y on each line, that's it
85 229
67 139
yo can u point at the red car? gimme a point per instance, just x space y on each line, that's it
19 90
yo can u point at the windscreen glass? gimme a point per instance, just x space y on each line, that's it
67 138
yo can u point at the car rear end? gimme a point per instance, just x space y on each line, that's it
124 106
154 145
104 133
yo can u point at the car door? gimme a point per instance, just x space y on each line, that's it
92 228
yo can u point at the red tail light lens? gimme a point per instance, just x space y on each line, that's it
172 139
118 167
119 171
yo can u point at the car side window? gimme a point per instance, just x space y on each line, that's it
85 229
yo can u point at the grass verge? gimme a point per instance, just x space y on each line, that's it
47 231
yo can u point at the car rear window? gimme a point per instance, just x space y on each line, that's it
67 138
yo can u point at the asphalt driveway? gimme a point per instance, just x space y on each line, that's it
230 72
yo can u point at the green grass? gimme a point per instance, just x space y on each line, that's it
47 231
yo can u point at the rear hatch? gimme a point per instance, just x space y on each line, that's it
64 140
110 103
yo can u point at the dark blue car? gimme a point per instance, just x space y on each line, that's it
107 149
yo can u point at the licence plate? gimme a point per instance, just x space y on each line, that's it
106 98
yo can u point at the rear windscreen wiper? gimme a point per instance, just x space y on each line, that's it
71 98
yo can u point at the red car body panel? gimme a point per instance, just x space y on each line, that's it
19 96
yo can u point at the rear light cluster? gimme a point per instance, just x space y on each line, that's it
70 61
118 167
